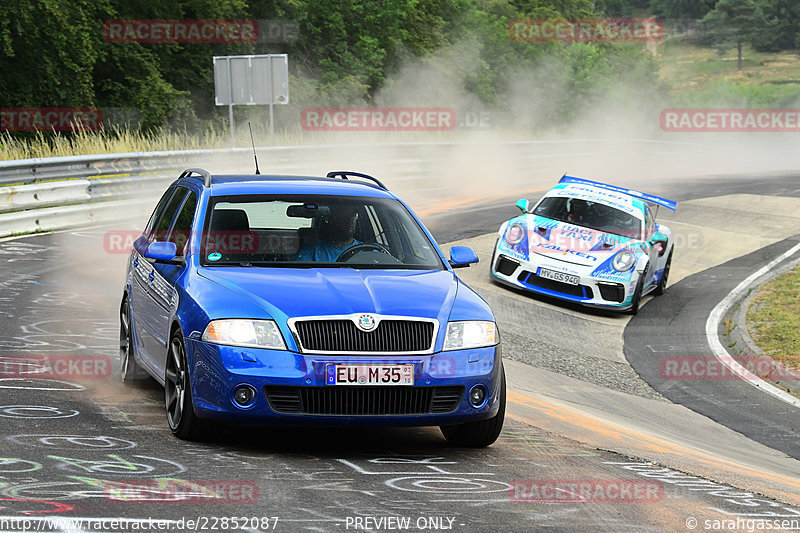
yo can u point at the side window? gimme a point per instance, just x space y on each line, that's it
182 229
164 220
649 224
157 211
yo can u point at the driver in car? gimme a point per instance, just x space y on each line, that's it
576 211
338 237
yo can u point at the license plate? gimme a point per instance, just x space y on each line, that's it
559 276
361 374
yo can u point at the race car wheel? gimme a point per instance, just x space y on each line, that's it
637 296
662 285
129 369
481 433
182 420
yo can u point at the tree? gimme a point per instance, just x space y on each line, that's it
622 8
47 51
786 33
734 23
681 9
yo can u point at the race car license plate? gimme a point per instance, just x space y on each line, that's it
559 276
363 374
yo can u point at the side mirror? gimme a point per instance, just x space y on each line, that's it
164 252
524 205
659 239
462 256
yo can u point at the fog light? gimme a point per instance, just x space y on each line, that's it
477 396
244 395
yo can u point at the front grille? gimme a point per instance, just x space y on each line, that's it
581 291
342 335
505 265
363 401
613 292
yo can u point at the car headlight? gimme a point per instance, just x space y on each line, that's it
623 261
470 334
246 333
514 234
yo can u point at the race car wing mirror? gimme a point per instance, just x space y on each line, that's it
659 239
524 205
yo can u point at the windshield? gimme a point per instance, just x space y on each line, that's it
314 231
594 215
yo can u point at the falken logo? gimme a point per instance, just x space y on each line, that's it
366 322
566 251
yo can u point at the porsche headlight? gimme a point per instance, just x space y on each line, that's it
470 334
514 234
623 261
245 333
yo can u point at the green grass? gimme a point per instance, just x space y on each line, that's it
121 141
700 76
774 318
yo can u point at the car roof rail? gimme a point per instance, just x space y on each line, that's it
200 172
344 173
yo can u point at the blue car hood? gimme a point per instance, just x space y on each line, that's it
296 292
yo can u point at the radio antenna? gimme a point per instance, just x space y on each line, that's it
253 142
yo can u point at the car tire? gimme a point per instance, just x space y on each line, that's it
637 295
480 433
129 370
662 284
182 420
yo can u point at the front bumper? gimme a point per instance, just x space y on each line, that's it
592 291
290 387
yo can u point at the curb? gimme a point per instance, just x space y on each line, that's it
739 343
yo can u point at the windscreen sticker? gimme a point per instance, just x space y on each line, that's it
592 194
216 256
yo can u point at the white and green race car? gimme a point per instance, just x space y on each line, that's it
587 242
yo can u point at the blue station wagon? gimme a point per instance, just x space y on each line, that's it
324 301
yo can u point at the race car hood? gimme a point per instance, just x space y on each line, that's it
295 292
568 242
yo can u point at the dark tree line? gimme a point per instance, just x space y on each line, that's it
53 53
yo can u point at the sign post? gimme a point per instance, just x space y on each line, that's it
251 80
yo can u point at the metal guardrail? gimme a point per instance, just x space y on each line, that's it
62 192
56 193
26 171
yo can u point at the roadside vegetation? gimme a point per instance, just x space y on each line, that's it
458 53
700 76
773 319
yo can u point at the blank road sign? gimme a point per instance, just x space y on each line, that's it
251 80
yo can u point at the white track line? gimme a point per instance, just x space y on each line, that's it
715 318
